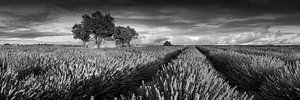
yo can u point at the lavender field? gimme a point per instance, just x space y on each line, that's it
148 73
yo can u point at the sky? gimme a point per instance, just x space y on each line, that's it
183 22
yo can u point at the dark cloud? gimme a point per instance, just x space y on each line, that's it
23 25
29 34
160 40
17 20
224 3
203 11
151 17
288 20
284 20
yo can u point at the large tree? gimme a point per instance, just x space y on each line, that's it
79 33
98 24
124 35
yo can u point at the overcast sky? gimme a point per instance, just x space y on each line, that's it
178 21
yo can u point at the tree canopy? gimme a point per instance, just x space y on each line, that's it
100 26
79 33
124 35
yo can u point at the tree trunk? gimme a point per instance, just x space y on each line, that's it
128 44
98 41
84 45
123 44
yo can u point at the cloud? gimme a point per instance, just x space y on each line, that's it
286 28
28 34
160 40
261 19
16 20
36 22
180 21
206 26
261 35
57 39
17 30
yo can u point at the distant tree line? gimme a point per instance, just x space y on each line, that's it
97 26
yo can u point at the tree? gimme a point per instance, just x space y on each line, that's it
167 43
79 33
6 44
124 35
99 24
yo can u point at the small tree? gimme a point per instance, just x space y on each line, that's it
6 44
79 33
124 35
99 24
167 43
